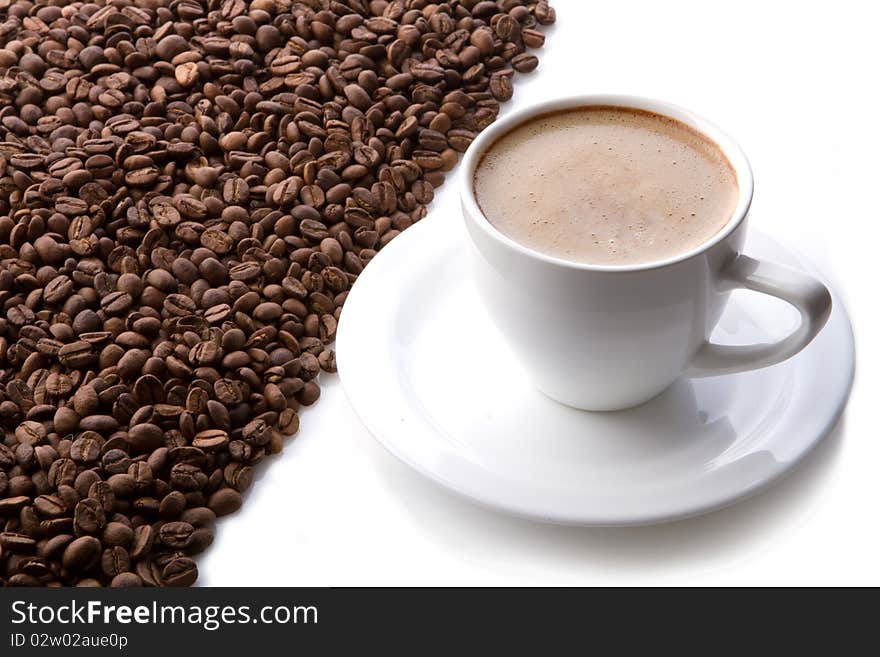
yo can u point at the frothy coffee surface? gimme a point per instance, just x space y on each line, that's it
606 186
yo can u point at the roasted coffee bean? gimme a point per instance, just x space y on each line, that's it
524 63
82 554
228 391
145 437
187 478
327 360
85 401
142 475
115 561
200 516
179 571
176 535
102 424
117 533
50 506
501 87
18 543
201 540
257 432
225 501
89 517
121 483
238 476
532 38
309 394
211 440
30 432
76 355
103 494
288 422
172 505
126 581
189 194
86 448
142 543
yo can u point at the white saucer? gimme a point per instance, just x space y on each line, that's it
432 378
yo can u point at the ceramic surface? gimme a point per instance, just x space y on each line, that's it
612 337
437 384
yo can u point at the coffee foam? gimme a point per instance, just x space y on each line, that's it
606 186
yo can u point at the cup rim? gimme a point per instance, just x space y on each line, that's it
502 126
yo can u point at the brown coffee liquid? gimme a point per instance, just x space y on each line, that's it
606 186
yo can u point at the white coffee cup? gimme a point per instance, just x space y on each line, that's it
601 337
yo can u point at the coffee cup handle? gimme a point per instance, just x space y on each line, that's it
811 298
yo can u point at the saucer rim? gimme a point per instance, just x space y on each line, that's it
712 502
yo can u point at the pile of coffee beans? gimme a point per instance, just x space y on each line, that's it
188 190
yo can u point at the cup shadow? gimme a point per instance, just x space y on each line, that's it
510 545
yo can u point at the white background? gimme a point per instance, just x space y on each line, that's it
796 83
